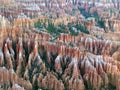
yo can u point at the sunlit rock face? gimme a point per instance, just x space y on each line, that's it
112 25
111 36
93 45
28 60
116 55
17 87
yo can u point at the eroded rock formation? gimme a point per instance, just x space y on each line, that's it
29 60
